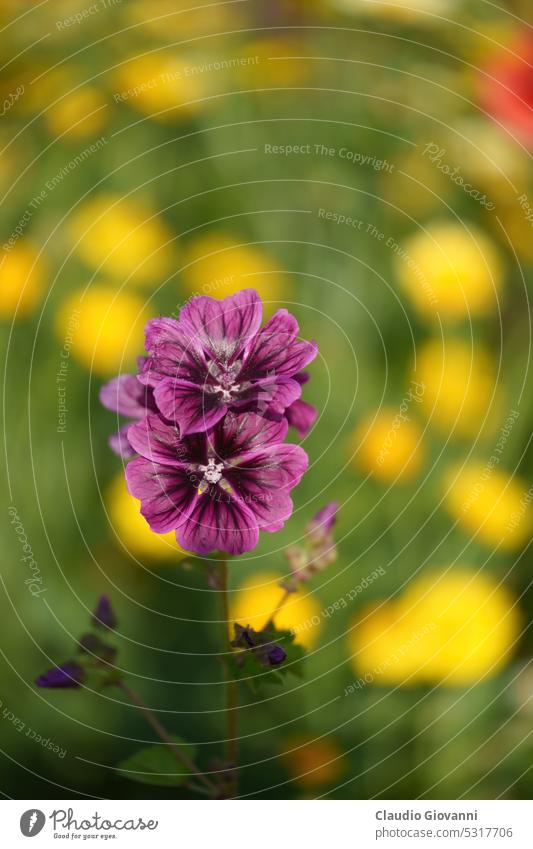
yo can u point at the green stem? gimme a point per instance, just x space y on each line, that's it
163 734
231 684
284 598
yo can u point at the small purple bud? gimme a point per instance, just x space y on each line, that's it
69 674
104 615
245 638
276 655
321 525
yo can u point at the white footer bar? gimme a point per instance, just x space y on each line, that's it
268 824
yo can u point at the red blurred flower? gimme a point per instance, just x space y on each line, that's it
507 88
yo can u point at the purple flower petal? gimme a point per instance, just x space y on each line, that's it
240 434
301 416
104 613
326 517
189 405
120 444
302 377
271 508
225 327
125 395
158 441
218 522
261 480
276 466
276 654
69 674
173 352
167 493
276 351
269 396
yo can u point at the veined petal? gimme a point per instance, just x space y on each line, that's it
166 493
273 467
268 397
218 522
186 403
120 444
158 441
301 416
246 432
173 352
225 327
276 351
270 506
126 396
275 394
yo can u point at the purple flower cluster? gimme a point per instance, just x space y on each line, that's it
209 412
94 658
318 550
260 644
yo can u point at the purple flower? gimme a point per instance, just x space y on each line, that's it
245 638
260 644
69 674
276 654
127 396
104 615
301 415
216 358
319 550
216 490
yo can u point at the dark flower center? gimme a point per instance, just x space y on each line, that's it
225 380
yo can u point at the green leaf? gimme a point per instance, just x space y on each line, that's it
247 669
295 653
157 765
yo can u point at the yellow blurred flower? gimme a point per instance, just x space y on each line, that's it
451 627
21 280
459 384
174 19
42 87
490 503
386 649
270 62
389 445
518 227
257 598
79 114
477 621
450 272
313 763
133 530
160 86
219 266
122 238
105 330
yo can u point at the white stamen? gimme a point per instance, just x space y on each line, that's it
226 393
213 471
